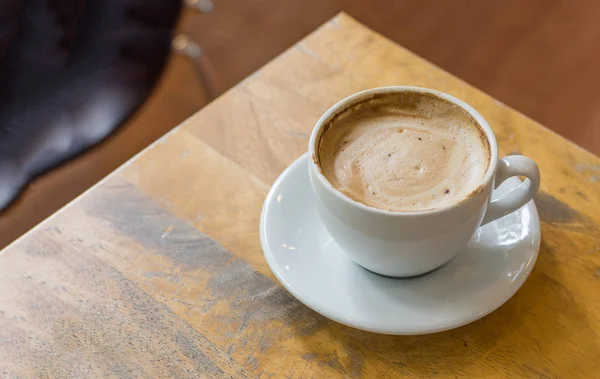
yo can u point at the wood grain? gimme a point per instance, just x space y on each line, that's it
158 270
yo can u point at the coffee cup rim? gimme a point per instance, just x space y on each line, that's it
348 101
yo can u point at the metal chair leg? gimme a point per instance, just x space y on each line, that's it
182 44
204 6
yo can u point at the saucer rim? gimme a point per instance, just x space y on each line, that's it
269 256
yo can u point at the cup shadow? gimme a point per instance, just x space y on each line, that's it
486 346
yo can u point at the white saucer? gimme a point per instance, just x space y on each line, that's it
313 268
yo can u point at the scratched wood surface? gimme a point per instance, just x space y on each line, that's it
158 270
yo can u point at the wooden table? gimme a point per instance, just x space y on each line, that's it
157 271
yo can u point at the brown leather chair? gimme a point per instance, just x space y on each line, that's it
71 71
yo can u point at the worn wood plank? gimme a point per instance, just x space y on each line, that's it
158 271
66 313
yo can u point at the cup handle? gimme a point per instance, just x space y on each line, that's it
512 165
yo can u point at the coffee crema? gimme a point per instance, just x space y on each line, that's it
404 152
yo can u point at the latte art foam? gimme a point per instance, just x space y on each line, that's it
404 152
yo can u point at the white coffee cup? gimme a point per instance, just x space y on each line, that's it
404 244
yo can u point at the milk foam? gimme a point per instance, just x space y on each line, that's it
404 152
